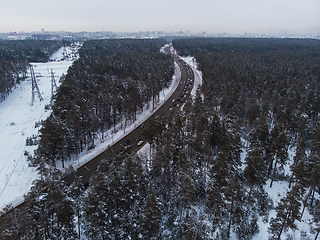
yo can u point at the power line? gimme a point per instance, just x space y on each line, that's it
35 87
53 85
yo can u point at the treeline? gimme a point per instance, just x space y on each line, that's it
30 50
120 46
215 45
15 57
110 83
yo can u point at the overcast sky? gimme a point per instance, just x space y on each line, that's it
214 16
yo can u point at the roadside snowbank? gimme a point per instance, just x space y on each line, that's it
111 136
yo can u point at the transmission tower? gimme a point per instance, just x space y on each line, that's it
35 87
65 52
53 85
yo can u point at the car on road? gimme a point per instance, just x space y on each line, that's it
127 147
127 142
140 143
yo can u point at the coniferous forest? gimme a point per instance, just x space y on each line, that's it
210 162
15 57
112 81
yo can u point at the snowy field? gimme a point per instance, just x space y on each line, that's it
17 122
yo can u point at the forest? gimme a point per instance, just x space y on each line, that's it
259 99
15 57
110 83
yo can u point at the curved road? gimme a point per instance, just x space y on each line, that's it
181 93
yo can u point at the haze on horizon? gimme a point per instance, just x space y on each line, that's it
233 16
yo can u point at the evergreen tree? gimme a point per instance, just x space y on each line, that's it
255 168
287 212
235 206
298 167
50 214
151 221
215 207
96 215
191 227
11 226
316 218
187 194
280 149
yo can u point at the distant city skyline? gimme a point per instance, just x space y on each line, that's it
212 16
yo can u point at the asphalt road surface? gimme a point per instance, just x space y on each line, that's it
130 142
182 91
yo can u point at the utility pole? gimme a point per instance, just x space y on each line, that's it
53 85
35 87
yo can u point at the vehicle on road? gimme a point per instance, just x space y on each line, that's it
140 143
127 147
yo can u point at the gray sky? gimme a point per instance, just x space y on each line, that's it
233 16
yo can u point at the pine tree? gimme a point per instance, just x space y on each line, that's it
96 213
298 167
287 212
255 169
280 148
52 146
220 172
151 218
44 203
187 194
11 223
235 198
74 193
215 207
192 227
315 211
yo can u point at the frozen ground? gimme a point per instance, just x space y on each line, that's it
111 137
17 122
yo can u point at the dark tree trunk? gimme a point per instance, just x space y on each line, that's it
274 172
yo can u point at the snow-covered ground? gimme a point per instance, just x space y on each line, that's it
145 150
17 122
112 136
278 190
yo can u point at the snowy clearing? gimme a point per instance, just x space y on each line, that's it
17 122
19 117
